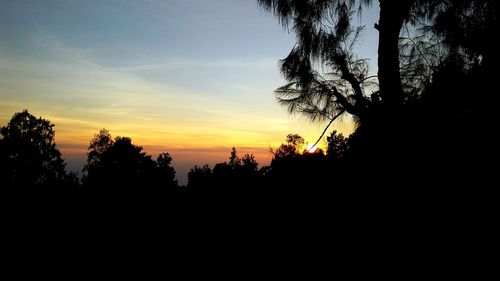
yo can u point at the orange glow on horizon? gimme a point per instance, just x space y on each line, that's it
188 144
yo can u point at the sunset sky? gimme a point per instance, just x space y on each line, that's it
188 77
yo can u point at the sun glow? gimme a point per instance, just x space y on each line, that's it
312 148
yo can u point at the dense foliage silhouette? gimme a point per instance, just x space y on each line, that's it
28 153
434 71
119 164
419 155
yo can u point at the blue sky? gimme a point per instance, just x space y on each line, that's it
191 77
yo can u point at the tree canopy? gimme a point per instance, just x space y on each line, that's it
118 163
326 77
28 152
435 72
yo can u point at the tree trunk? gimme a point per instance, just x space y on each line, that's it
392 15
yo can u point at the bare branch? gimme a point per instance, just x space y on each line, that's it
327 126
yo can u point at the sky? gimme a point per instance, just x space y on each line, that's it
189 77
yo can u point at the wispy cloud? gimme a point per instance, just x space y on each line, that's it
81 96
168 64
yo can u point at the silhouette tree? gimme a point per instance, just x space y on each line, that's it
294 144
251 176
28 152
325 35
99 144
119 164
227 175
435 67
337 146
234 160
166 171
249 164
466 28
238 176
293 170
407 55
200 179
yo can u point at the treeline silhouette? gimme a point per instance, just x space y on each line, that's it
127 201
32 162
122 186
418 167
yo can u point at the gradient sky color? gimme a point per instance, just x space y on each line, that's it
188 77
